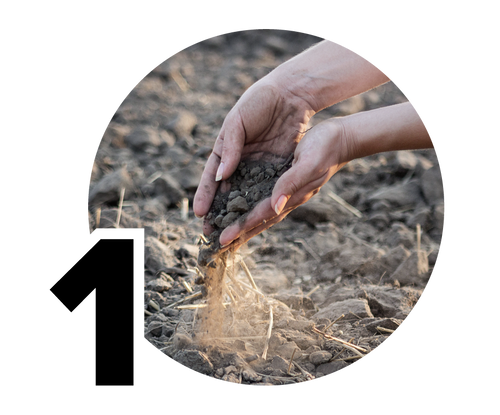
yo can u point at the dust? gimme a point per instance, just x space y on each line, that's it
212 315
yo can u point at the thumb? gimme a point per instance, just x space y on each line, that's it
290 183
233 139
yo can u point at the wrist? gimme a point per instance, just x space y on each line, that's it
326 74
396 127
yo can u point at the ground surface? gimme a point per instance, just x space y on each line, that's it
358 269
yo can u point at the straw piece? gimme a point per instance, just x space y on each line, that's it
154 304
345 205
418 236
333 322
184 209
308 249
384 330
269 330
120 207
313 290
189 297
248 274
291 360
179 80
98 217
187 286
347 345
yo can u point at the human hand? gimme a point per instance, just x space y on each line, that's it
268 120
319 155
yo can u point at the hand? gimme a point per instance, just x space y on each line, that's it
319 155
267 119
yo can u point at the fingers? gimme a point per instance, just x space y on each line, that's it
221 164
262 212
207 187
231 141
240 238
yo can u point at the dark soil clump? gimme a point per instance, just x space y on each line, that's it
252 182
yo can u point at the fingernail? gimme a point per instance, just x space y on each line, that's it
199 217
220 170
280 204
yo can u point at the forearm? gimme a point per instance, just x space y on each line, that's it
325 74
396 127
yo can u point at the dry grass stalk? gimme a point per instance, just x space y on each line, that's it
184 209
179 80
251 289
333 322
98 217
345 205
154 177
384 330
347 345
308 249
153 304
313 290
291 360
203 238
189 297
419 230
269 330
187 286
120 207
248 274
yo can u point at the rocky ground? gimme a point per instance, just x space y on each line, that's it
332 281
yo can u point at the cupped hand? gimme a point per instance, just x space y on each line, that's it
319 155
267 119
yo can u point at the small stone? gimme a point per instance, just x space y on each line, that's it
255 171
260 178
239 204
286 350
243 172
270 172
158 285
218 220
320 357
250 375
229 219
234 195
278 363
155 328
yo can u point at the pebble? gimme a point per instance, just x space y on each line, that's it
239 204
320 357
229 219
255 171
234 194
218 220
270 172
158 285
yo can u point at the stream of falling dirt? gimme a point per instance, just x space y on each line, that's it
212 316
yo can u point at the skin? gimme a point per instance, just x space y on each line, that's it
271 117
